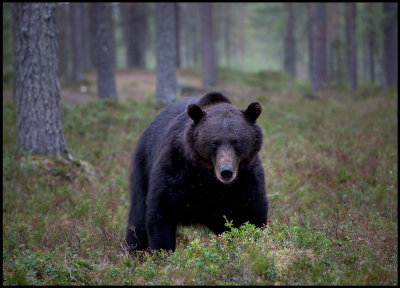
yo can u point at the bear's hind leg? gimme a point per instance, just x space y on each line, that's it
136 236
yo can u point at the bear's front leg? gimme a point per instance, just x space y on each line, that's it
254 195
161 220
161 231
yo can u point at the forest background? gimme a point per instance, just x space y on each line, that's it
330 141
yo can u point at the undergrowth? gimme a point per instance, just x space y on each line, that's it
331 176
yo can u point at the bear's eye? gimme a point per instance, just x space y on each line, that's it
235 142
215 144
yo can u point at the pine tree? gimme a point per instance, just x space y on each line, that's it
104 50
318 57
37 88
166 53
209 63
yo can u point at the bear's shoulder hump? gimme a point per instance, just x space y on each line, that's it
212 99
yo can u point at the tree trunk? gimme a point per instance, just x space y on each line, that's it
318 57
134 17
228 32
76 11
92 32
185 36
290 48
351 44
336 45
104 50
365 66
210 77
371 49
241 36
85 31
166 53
63 43
189 19
37 88
177 35
330 35
195 23
390 44
371 44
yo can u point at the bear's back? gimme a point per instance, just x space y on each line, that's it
154 136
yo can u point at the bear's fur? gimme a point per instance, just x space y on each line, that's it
197 162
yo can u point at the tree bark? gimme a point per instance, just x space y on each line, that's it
209 64
104 50
63 42
351 44
371 44
92 32
319 77
76 11
390 45
310 46
330 36
134 17
189 19
166 53
228 32
177 35
195 23
37 88
290 45
241 37
86 52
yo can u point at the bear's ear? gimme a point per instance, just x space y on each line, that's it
195 112
253 111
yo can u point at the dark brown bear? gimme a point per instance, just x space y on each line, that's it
197 162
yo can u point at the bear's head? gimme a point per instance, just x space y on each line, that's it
223 137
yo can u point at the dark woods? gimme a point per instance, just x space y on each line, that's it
314 45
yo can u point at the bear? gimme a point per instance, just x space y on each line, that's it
196 163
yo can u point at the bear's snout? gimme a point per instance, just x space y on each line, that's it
226 173
226 165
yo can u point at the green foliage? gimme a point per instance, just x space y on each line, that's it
342 176
331 177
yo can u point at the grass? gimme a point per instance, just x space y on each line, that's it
331 176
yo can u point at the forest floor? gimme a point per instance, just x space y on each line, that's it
139 84
331 167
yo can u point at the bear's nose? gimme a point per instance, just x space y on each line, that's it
226 173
